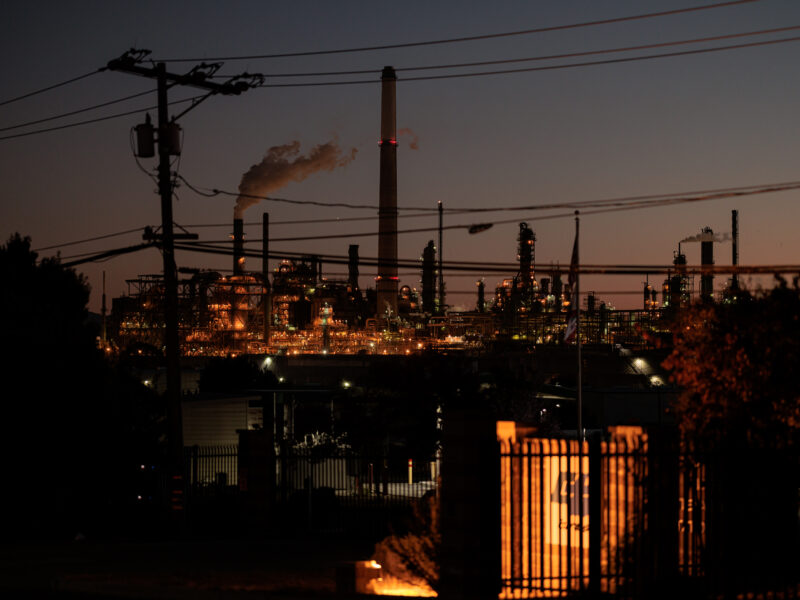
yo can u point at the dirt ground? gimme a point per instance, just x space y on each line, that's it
175 569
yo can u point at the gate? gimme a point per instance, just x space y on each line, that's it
639 517
571 515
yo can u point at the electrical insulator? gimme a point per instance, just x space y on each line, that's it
145 139
172 139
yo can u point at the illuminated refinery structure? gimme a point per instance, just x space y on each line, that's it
294 309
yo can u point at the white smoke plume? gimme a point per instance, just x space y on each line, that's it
414 143
708 237
277 169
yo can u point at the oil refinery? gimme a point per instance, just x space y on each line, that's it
296 308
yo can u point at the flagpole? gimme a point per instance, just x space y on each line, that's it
577 298
577 308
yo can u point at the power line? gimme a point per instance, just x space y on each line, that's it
96 120
540 58
51 87
609 61
436 77
585 269
107 254
512 267
470 38
643 199
311 221
211 192
76 112
475 266
630 201
607 206
91 239
627 202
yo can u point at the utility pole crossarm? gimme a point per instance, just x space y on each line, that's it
197 77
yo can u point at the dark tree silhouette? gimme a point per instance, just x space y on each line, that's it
74 426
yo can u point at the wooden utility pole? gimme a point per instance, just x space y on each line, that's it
196 77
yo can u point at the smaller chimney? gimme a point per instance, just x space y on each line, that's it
706 260
735 240
266 300
238 246
429 278
352 267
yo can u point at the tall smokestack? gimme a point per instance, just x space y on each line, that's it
735 239
707 259
238 246
386 282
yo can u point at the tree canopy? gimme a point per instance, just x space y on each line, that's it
737 363
75 426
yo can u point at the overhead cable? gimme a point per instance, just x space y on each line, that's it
469 38
76 112
52 87
91 239
96 120
609 61
484 63
108 254
211 192
511 267
626 202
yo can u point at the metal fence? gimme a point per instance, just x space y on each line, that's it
352 476
320 490
210 469
629 518
351 493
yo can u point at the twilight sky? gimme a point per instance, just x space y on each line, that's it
669 125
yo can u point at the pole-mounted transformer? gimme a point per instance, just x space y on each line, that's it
146 138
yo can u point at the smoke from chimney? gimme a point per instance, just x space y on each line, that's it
277 170
414 143
704 236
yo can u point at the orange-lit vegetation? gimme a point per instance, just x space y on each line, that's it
737 364
409 563
388 585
